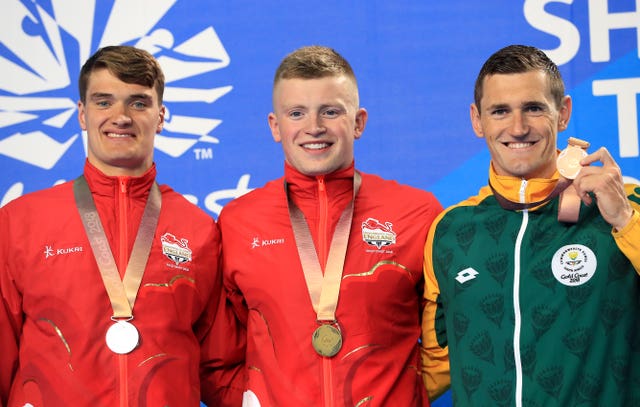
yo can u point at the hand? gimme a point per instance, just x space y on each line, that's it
606 184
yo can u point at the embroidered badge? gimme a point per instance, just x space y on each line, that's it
377 234
574 264
175 249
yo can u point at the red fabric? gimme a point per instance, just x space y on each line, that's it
56 311
380 301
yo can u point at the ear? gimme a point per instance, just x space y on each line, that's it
163 111
83 124
474 114
361 122
273 125
564 114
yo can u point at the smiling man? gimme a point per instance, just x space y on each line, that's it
535 293
110 289
324 265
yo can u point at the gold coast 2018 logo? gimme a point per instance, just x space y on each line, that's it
574 264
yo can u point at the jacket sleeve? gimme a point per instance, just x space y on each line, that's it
435 356
223 348
10 314
628 239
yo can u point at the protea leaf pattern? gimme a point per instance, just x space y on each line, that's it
498 265
543 317
550 379
495 226
460 324
465 235
501 392
471 379
493 308
482 347
577 341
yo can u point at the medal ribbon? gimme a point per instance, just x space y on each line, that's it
323 290
561 185
569 203
122 293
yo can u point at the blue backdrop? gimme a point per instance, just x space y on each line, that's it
416 62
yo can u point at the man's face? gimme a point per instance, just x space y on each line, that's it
520 122
121 120
317 122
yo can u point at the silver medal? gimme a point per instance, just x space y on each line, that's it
122 337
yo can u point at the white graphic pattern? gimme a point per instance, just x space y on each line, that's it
38 62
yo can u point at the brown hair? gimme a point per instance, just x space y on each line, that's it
313 62
129 64
520 59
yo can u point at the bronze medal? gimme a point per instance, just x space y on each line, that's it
327 340
569 161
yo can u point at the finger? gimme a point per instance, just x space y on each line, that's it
601 155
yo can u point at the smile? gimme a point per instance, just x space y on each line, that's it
117 135
516 146
316 146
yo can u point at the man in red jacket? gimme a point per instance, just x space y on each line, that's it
109 296
324 265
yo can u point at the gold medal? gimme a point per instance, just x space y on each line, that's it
327 340
122 337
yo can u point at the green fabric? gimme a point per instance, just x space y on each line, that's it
579 344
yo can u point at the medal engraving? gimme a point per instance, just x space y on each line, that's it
327 340
122 337
569 161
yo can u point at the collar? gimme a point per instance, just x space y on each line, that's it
303 186
107 185
535 189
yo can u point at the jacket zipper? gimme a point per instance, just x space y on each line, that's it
123 259
516 297
327 371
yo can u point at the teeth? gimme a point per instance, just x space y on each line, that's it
316 146
519 145
116 135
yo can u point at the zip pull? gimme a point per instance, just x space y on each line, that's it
321 186
523 190
124 184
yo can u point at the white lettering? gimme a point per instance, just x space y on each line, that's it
601 22
272 242
69 250
564 30
203 153
625 91
211 202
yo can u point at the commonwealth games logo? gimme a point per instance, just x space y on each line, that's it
574 264
43 46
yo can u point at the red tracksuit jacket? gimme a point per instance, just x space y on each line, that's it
54 309
380 301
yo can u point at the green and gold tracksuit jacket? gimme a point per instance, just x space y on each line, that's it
533 311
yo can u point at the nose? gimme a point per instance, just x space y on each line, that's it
121 115
519 126
315 126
